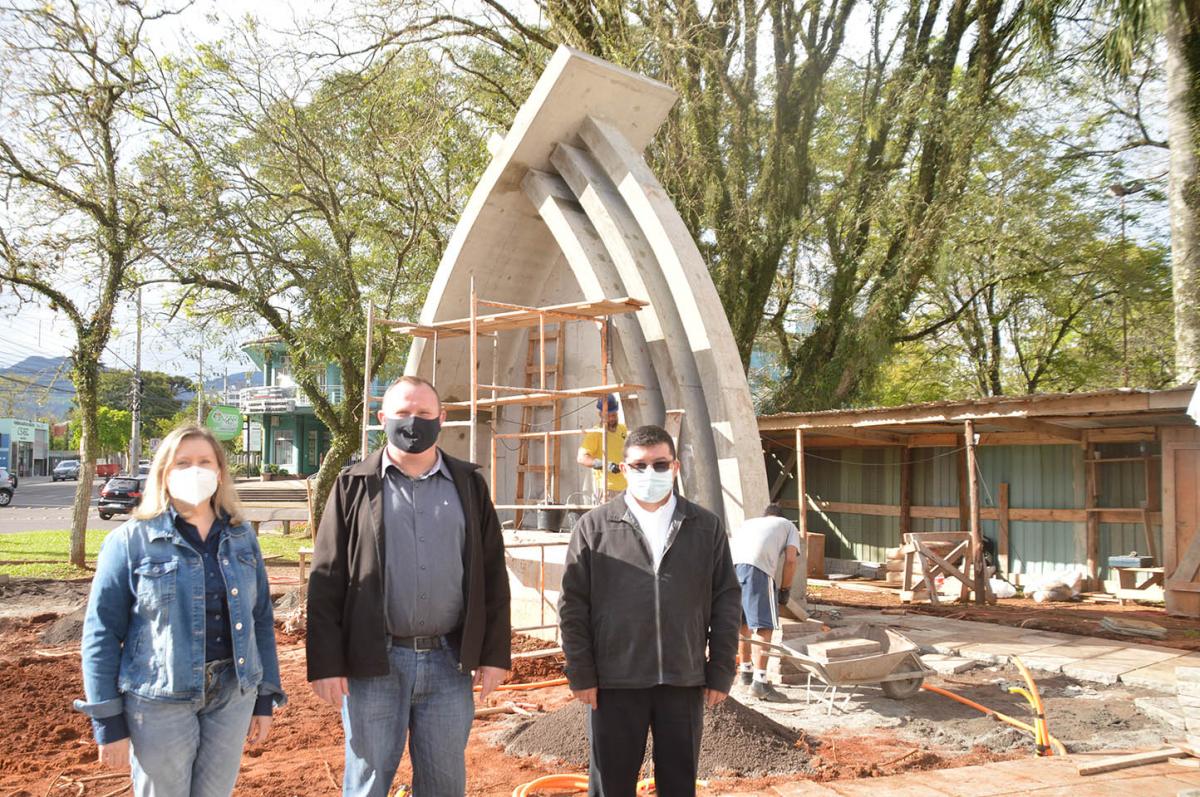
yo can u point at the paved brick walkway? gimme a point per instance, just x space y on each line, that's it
1047 777
1104 661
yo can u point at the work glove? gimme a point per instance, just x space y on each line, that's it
784 594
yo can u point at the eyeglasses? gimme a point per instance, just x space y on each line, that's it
661 466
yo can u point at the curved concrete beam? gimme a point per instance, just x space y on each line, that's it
552 222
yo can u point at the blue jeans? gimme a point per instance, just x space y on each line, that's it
183 749
424 699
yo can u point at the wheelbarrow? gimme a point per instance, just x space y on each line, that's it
854 656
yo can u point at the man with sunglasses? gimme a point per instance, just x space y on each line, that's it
649 610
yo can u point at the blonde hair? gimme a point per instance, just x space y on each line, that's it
155 498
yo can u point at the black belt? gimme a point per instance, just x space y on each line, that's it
419 643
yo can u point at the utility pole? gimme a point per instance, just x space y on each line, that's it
135 440
200 391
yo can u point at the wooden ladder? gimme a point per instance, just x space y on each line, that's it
535 364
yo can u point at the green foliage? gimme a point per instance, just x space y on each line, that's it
113 431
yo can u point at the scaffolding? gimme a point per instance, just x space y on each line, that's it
534 395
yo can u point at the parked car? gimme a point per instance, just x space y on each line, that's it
144 467
120 495
107 470
67 469
7 485
8 477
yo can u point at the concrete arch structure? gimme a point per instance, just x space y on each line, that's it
568 211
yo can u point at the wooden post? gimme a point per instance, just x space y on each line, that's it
366 418
906 474
1002 528
1153 503
964 511
1092 540
474 367
973 496
801 487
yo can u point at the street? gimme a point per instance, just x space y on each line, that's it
41 505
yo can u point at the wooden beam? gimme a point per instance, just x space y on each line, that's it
784 475
976 565
990 410
801 487
868 435
1040 427
906 473
1091 493
1002 542
964 509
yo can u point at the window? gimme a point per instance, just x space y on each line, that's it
285 454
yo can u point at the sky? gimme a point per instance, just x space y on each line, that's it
174 345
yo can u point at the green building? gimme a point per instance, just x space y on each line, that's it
282 426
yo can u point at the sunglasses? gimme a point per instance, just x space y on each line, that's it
661 466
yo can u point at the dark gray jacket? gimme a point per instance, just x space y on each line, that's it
626 627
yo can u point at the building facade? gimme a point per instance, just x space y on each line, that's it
280 423
25 447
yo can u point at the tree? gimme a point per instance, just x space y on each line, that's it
817 177
73 213
297 192
159 397
113 430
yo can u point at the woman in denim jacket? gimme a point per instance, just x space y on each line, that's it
179 662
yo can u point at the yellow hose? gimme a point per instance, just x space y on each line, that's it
1038 708
1016 723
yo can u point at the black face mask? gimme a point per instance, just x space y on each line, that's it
412 435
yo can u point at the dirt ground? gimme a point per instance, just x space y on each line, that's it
1081 618
50 753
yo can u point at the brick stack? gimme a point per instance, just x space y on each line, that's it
1187 687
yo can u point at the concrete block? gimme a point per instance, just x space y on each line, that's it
948 665
1192 725
1107 668
1000 652
1187 688
1159 677
803 788
1162 709
1189 674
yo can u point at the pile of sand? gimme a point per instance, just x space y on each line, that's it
737 741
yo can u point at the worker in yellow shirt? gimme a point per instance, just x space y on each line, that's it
591 455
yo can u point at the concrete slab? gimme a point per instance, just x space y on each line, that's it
803 788
948 665
1159 677
1164 710
1108 667
999 652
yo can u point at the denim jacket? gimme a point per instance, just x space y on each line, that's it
143 632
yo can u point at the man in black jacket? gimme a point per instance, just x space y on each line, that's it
408 602
649 611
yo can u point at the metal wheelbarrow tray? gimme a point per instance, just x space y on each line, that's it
895 665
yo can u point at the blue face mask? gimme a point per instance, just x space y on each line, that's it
649 486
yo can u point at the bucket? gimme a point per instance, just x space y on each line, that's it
550 519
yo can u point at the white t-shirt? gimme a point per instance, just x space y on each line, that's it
761 541
655 526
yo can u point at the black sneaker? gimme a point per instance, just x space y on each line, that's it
761 690
747 677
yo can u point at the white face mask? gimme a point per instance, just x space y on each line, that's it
193 485
649 486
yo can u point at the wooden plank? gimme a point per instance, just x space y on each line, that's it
1053 430
522 318
784 474
547 397
1126 761
906 473
870 435
1092 539
1180 522
978 577
964 498
801 486
1002 520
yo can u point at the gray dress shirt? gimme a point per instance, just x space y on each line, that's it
425 542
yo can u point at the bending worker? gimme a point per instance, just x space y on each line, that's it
608 438
756 548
